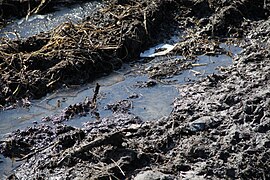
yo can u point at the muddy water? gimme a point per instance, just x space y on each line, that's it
150 102
42 23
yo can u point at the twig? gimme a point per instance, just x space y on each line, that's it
118 167
94 99
28 156
145 22
115 139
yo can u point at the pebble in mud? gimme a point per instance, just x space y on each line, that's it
153 175
133 96
121 106
147 84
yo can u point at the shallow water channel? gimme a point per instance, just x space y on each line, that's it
151 102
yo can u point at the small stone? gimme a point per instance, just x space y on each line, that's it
133 96
153 175
203 123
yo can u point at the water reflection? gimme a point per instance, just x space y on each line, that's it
150 102
36 24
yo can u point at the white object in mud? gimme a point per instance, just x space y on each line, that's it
159 50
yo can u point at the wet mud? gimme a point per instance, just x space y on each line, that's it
218 128
37 65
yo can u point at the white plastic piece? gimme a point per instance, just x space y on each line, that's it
159 50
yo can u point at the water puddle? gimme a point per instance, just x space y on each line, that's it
149 102
151 99
7 165
36 24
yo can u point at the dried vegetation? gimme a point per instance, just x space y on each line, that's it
76 53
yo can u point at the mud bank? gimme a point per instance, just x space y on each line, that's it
218 129
116 33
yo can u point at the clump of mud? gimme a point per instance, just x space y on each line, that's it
218 129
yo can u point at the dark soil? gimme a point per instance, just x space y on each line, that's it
218 129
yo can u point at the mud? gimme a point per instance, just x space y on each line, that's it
218 129
40 64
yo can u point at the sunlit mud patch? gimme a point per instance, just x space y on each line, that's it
38 23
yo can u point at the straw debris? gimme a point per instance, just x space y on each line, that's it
118 32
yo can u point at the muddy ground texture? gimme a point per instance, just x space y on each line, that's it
218 129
